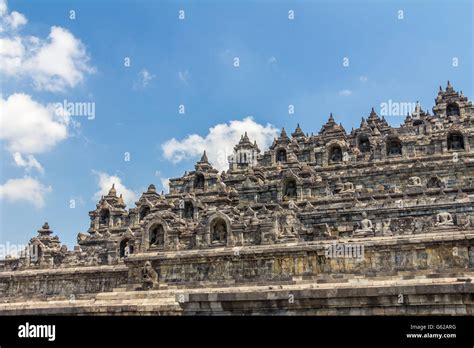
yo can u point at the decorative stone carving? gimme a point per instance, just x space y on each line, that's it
444 219
366 227
414 181
149 276
347 187
290 189
386 228
292 205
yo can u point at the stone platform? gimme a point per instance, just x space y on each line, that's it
392 296
419 275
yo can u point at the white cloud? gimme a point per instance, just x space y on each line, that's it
10 21
144 78
165 184
345 92
272 61
54 64
219 142
3 7
29 162
184 76
26 189
16 20
29 127
105 183
11 53
363 78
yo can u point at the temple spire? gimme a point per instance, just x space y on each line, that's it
121 201
298 132
45 230
244 139
449 87
112 191
373 117
204 158
372 113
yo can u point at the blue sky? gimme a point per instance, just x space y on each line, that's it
190 62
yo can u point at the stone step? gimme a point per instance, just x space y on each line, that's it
90 306
146 294
141 302
119 289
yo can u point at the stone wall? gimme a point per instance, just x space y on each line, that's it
397 275
60 283
445 252
415 299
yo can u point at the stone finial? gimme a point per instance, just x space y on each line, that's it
298 132
449 87
204 158
120 200
331 126
244 141
45 230
373 115
417 107
152 188
283 133
112 191
330 120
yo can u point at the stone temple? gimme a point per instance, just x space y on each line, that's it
378 221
